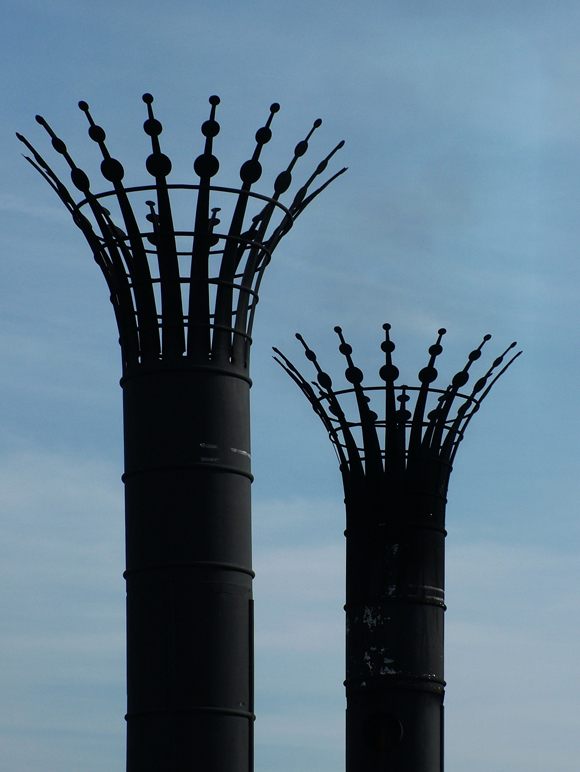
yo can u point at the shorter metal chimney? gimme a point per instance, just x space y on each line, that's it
395 469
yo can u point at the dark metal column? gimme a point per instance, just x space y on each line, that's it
184 292
189 571
395 471
394 642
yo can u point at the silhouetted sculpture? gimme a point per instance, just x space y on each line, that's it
184 292
395 471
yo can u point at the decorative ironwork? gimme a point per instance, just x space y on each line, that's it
179 290
385 455
395 471
184 289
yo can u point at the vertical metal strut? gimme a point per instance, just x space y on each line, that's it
184 292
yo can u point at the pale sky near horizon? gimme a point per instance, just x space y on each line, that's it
460 209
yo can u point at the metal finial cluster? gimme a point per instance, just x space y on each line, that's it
405 446
180 291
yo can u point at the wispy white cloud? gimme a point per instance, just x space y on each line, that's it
10 203
62 608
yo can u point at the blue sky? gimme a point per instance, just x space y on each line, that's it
460 209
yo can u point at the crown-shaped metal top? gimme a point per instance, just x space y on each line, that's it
405 452
183 289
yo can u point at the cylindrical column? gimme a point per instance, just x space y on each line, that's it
184 288
395 471
394 645
189 576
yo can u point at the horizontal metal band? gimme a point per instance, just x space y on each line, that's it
212 326
170 711
200 325
396 682
392 599
417 599
192 564
143 370
237 191
189 465
365 532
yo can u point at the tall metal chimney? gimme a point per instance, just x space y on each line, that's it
395 471
184 291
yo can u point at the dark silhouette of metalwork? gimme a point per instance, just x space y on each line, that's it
395 471
184 291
